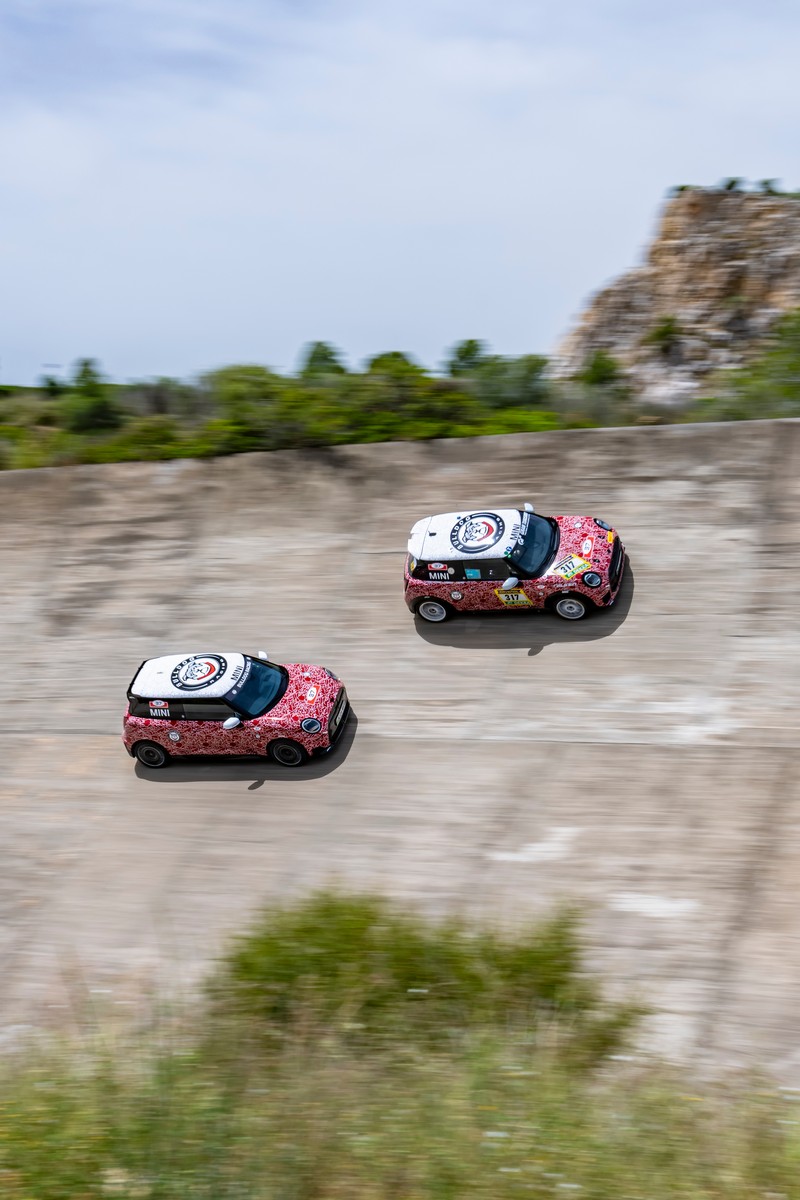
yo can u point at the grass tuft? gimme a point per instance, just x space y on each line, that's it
385 976
447 1093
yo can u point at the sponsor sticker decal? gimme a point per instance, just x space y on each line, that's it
440 576
472 573
513 598
311 694
239 677
477 532
610 536
198 671
437 566
587 546
570 566
159 708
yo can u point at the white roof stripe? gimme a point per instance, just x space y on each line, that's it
484 533
178 676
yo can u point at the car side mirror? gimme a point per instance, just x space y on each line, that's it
231 723
529 507
263 654
509 584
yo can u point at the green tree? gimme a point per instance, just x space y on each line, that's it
511 382
86 378
394 364
52 386
321 358
89 406
245 397
466 357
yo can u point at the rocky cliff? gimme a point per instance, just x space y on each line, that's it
722 268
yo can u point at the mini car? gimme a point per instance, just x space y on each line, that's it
512 558
232 703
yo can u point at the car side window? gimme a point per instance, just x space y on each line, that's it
204 710
495 568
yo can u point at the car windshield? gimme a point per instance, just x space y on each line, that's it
536 545
260 688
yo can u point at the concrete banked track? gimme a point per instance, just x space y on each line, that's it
643 764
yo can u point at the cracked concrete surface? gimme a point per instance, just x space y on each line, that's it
644 765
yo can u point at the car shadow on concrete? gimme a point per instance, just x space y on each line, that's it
257 770
510 631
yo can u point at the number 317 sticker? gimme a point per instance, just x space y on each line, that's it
513 598
569 567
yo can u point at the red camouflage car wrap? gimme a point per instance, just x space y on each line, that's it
311 692
584 546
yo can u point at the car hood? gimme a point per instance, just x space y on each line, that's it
584 546
310 693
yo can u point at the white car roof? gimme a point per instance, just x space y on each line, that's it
482 533
178 676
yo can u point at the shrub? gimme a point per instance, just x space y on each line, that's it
665 336
768 387
601 370
81 413
366 967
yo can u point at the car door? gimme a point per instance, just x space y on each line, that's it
200 730
487 576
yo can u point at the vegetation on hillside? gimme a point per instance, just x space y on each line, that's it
735 183
768 387
349 1050
86 419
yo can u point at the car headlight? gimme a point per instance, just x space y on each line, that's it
311 725
602 524
592 579
331 674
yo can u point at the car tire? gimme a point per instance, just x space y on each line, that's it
151 755
433 611
572 607
287 753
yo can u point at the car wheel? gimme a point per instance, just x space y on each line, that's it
433 610
151 755
288 753
572 607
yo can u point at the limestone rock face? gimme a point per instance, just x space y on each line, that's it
720 271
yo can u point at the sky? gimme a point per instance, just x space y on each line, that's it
191 183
